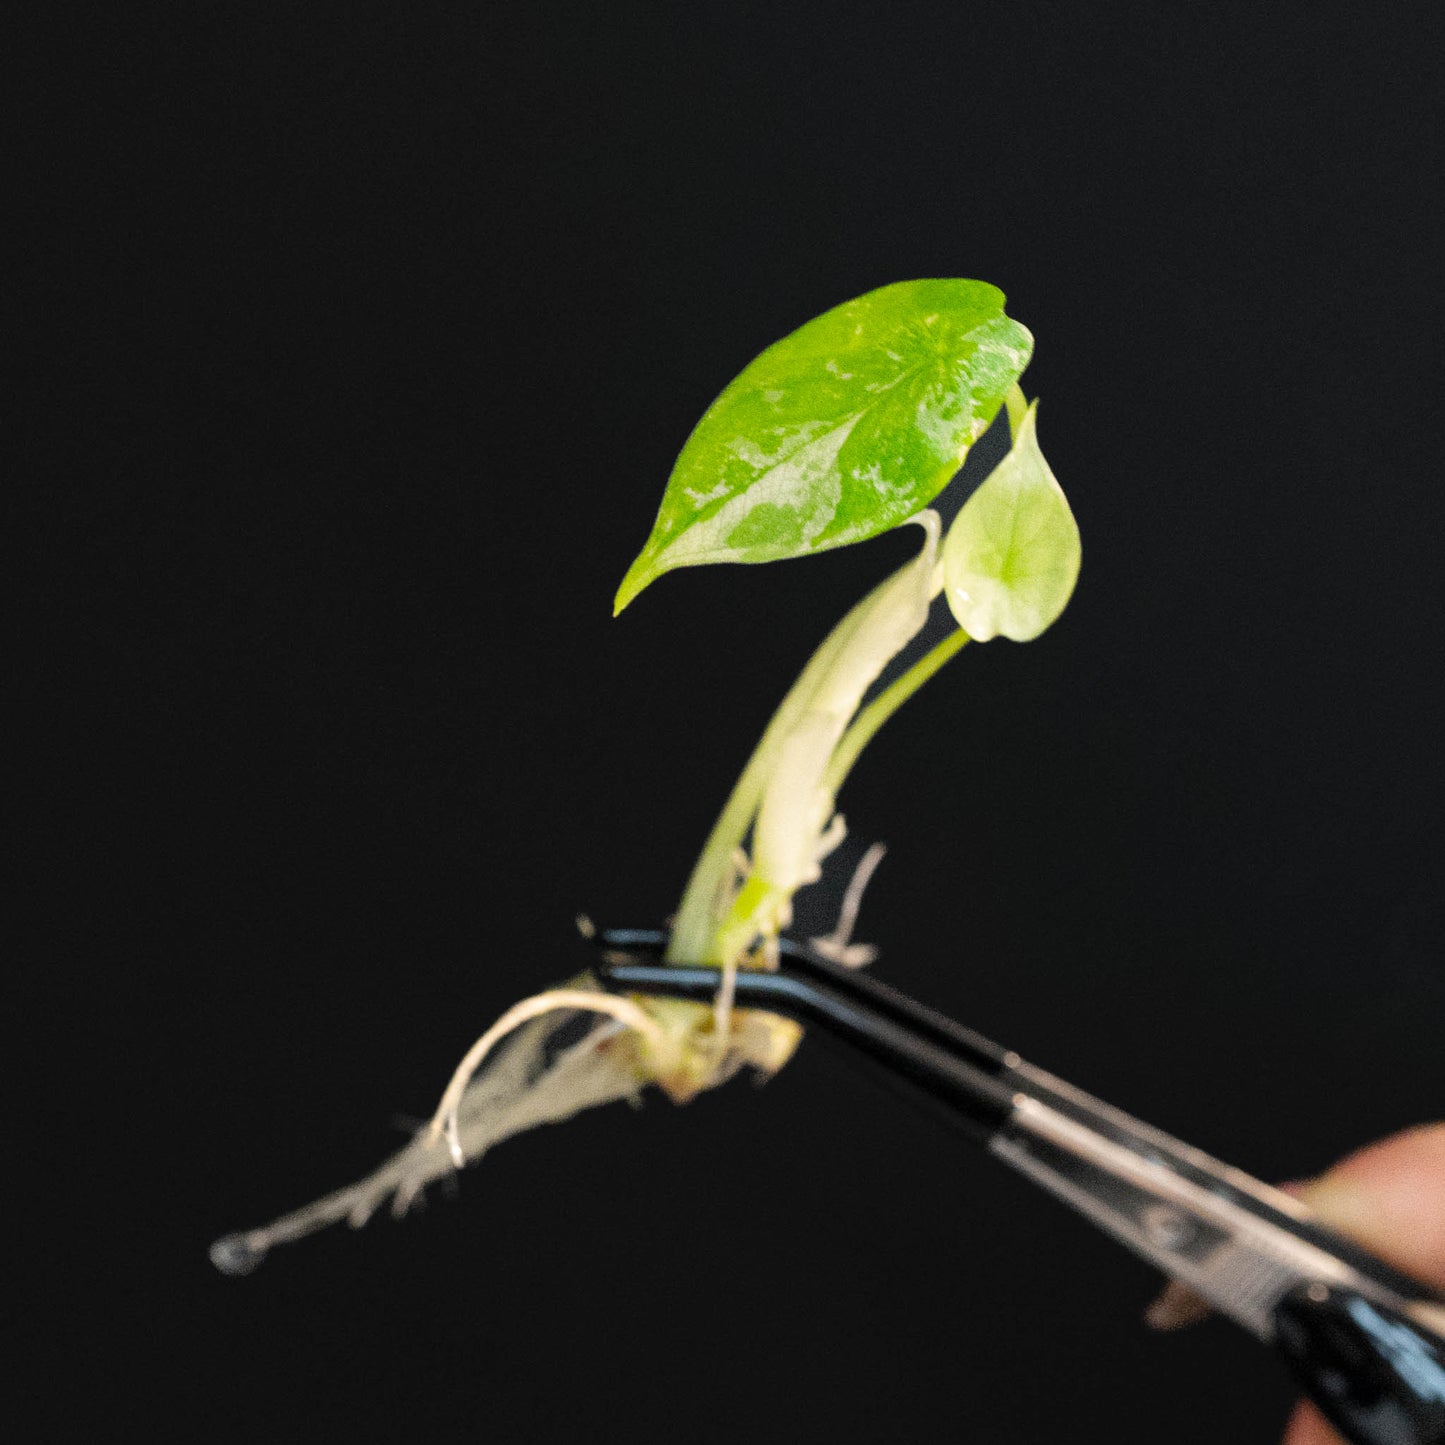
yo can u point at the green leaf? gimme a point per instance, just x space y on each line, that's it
840 431
1011 558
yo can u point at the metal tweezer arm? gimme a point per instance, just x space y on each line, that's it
1366 1342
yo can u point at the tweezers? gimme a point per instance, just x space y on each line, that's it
1366 1342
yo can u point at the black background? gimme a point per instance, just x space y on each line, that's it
354 350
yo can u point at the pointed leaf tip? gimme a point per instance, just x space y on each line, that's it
639 575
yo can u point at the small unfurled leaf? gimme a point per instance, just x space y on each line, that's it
838 432
1011 558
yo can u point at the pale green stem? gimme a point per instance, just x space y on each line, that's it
692 932
695 932
744 920
1018 407
871 718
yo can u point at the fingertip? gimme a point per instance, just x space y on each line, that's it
1175 1308
1419 1145
1389 1196
1308 1427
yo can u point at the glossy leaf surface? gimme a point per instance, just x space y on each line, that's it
1012 556
845 428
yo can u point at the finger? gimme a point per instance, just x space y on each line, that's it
1308 1427
1176 1307
1390 1196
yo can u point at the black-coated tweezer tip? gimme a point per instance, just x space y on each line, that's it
952 1064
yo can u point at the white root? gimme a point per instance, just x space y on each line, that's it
621 1009
722 1008
527 1082
520 1090
836 945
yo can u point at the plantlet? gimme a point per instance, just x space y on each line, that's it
844 429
